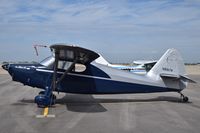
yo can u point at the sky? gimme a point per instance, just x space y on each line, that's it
120 30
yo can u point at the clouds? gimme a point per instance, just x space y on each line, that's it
99 13
124 24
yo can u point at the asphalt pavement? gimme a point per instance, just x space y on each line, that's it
126 113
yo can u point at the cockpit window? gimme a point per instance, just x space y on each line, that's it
48 62
62 65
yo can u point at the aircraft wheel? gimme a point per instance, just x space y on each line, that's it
42 101
45 101
185 99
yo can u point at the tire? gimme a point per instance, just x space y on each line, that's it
41 101
185 99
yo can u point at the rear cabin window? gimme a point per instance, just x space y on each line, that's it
64 65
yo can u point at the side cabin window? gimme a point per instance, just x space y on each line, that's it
79 68
64 65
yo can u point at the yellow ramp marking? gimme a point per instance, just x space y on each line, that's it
46 111
45 114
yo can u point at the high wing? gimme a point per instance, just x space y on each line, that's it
148 64
142 62
72 53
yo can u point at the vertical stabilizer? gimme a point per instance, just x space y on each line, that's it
171 63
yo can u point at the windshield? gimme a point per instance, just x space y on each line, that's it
62 65
48 62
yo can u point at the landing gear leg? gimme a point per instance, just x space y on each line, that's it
47 98
184 98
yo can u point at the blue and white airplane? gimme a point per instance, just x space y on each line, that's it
141 67
73 69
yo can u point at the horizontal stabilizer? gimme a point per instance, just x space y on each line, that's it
174 76
185 78
166 75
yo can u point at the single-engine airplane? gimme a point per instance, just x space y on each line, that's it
73 69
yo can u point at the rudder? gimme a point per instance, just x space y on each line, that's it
171 63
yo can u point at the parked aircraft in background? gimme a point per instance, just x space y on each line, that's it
138 67
73 69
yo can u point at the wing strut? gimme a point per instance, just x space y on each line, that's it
55 71
55 81
67 71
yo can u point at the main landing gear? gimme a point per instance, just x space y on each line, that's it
184 98
45 100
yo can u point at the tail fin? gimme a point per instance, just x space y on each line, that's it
171 69
171 63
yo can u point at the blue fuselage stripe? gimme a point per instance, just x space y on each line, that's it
77 84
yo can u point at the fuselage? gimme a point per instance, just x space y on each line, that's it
95 79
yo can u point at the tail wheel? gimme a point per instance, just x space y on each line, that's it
185 99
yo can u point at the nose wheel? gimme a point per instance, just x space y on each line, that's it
184 98
43 100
